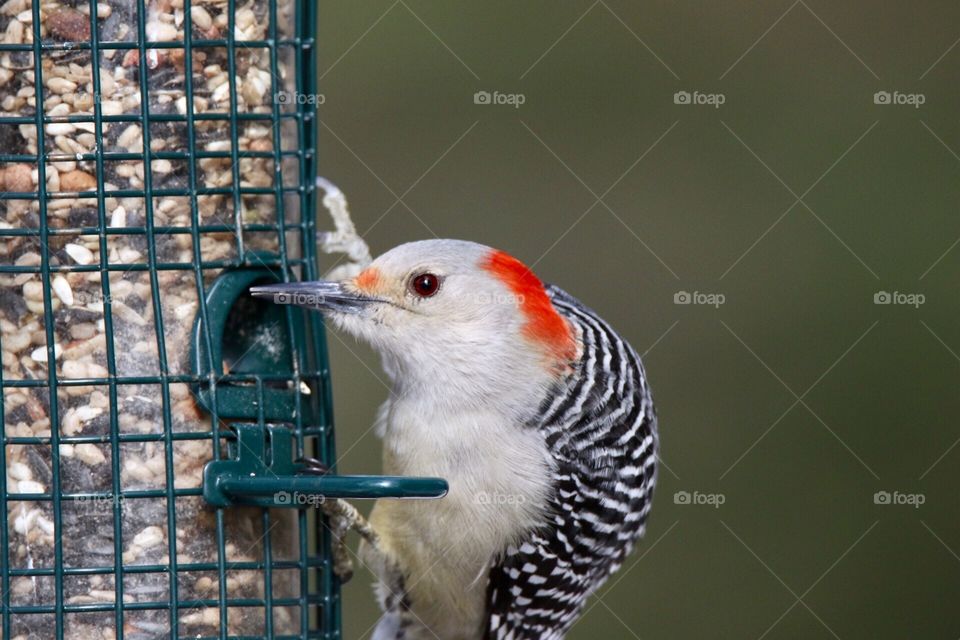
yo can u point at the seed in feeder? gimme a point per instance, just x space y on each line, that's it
149 537
30 259
83 330
111 108
62 288
40 353
128 255
19 471
77 181
121 288
221 93
16 342
160 32
89 454
79 253
157 465
204 585
99 399
17 177
209 616
28 131
61 85
68 145
14 34
33 290
107 87
130 139
68 24
74 369
244 18
201 19
63 167
86 413
261 144
59 128
218 145
103 595
133 468
118 219
185 310
95 370
29 486
70 423
24 521
46 525
257 131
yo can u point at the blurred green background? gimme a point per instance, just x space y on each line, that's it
798 199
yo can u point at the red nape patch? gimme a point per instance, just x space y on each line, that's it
543 323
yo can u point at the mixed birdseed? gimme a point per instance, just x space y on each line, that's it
123 514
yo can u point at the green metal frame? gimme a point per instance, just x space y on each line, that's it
262 472
253 397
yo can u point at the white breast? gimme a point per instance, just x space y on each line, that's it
499 479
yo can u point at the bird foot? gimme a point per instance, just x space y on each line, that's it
342 518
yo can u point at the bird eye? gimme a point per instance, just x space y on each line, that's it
425 284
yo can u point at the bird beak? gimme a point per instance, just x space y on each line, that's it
320 295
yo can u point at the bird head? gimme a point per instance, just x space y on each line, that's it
445 310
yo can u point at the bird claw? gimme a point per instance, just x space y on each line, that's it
342 564
343 517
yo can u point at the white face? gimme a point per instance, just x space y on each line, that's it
434 306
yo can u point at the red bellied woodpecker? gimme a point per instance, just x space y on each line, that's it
536 412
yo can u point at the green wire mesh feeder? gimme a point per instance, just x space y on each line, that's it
155 417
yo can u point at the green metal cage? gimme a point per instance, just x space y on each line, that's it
157 158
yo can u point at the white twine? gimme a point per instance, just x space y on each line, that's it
344 239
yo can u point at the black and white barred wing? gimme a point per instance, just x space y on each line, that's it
600 426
